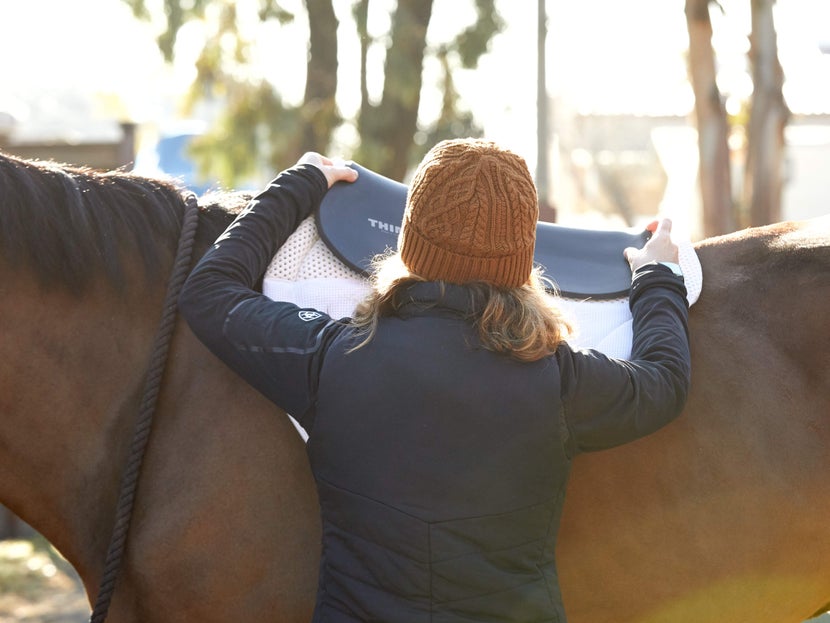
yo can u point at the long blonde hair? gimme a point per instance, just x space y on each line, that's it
524 322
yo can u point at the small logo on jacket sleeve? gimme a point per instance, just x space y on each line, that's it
309 315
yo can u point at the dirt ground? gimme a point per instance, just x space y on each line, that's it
38 586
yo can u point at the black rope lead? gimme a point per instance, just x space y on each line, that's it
141 434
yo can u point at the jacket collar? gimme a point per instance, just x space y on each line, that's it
419 297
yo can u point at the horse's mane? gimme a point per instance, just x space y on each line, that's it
70 224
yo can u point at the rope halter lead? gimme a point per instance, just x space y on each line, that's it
141 432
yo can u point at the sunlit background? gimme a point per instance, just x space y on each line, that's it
73 70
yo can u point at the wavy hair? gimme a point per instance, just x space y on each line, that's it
524 322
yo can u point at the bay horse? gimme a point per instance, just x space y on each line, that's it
721 517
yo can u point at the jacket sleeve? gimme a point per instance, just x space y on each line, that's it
270 344
608 402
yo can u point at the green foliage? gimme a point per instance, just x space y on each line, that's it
474 41
177 14
452 122
243 136
468 47
222 62
256 127
272 10
139 9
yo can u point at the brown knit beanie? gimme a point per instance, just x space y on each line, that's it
471 215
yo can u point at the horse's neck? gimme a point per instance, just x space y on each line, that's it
72 369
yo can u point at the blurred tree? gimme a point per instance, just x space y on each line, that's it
760 199
712 123
391 140
768 118
387 129
256 126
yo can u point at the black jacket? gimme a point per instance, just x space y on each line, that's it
441 467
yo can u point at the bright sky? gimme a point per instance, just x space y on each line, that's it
603 55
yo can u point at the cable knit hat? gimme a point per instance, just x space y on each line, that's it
471 215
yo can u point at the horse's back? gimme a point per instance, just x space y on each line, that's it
722 516
766 289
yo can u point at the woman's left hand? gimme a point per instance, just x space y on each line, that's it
335 171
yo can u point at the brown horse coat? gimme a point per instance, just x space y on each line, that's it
719 518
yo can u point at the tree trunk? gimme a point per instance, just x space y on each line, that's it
387 129
712 124
319 113
361 18
768 118
547 211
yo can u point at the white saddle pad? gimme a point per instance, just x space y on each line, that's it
305 272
